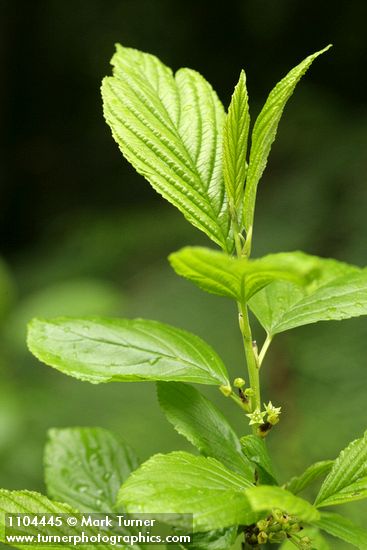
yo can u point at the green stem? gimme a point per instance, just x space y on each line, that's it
252 364
251 358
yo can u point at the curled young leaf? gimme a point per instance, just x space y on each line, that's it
236 129
169 127
265 130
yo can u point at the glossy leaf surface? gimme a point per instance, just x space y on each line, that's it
85 467
181 483
124 350
240 279
220 539
265 498
338 291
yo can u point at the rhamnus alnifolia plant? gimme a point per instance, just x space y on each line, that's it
175 132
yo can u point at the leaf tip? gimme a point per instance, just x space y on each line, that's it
31 325
243 76
324 50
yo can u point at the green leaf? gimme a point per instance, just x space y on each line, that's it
344 529
337 291
344 298
85 467
221 539
123 350
318 541
265 130
255 449
347 480
264 498
236 129
239 279
197 419
29 502
311 474
170 129
180 483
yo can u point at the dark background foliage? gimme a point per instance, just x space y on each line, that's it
57 150
81 233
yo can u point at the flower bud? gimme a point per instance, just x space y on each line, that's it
284 519
273 419
239 382
262 525
226 390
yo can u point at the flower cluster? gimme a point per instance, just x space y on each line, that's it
276 528
271 413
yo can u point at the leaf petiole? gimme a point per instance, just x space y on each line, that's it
245 406
264 349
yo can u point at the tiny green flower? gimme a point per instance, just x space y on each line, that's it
262 537
273 413
270 409
256 417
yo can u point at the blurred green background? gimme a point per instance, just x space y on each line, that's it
81 233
